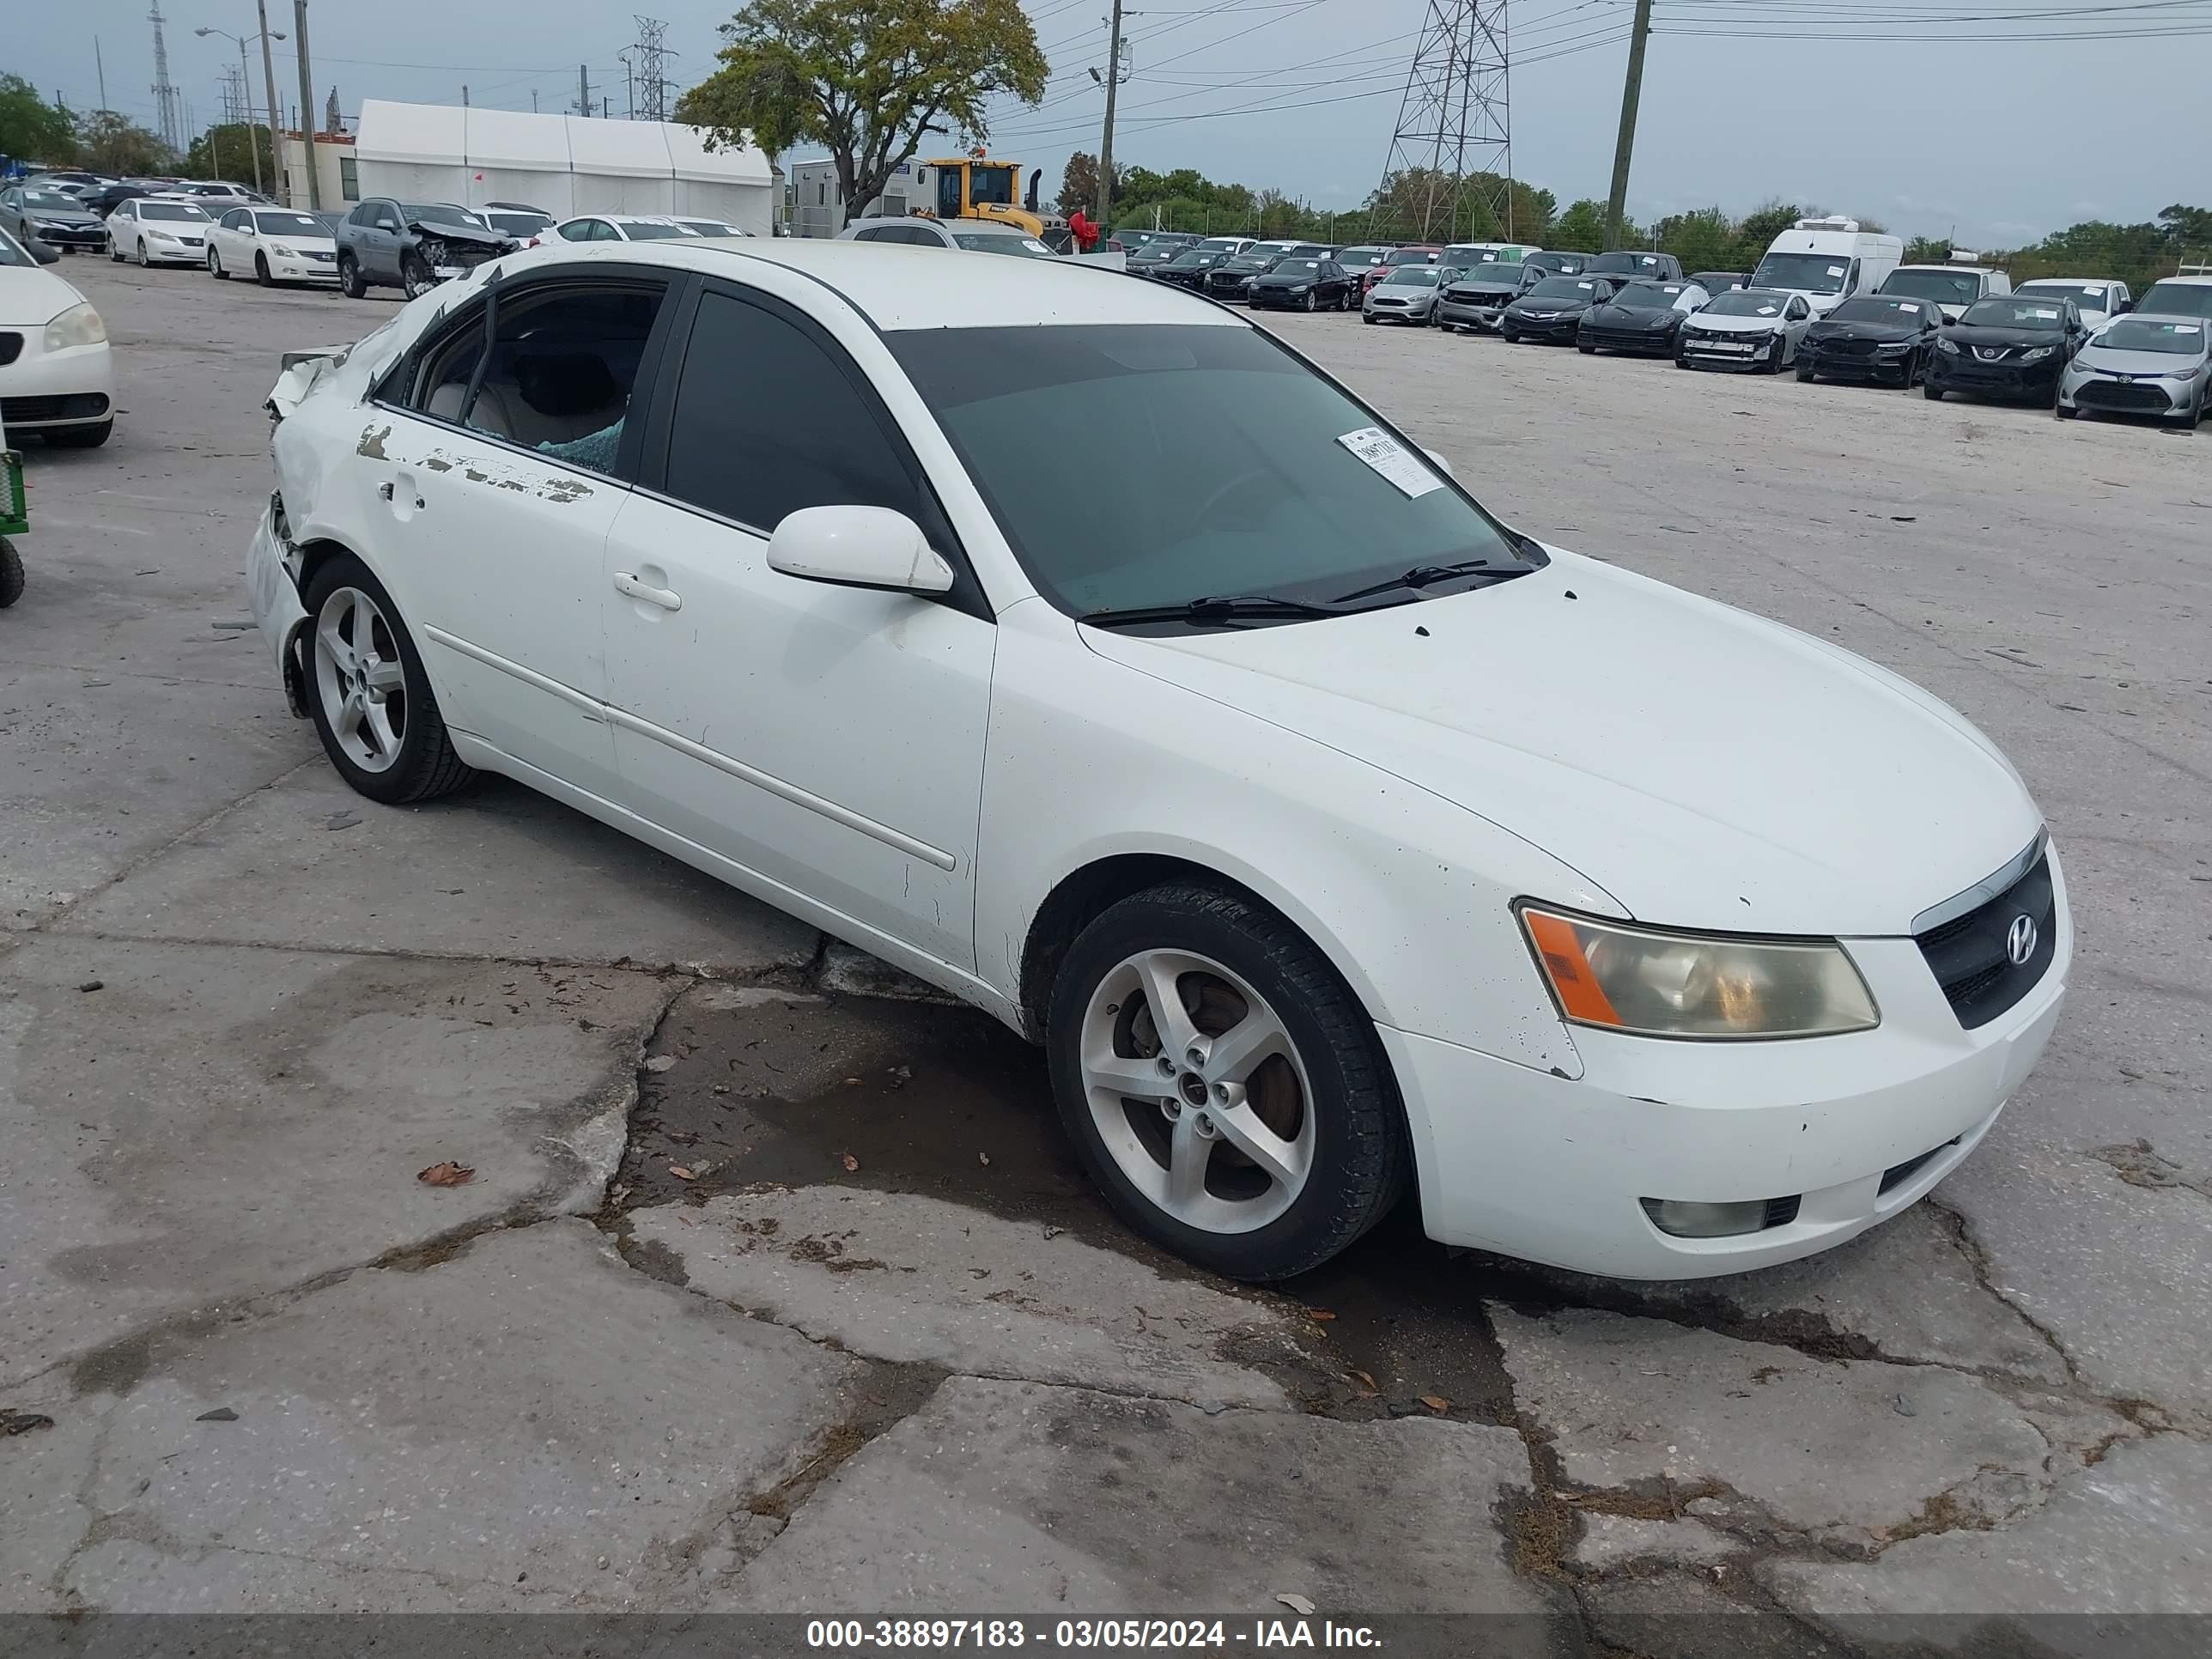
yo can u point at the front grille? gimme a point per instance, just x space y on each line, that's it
1970 954
1781 1212
1898 1174
1623 339
11 347
72 406
2133 396
1846 347
1992 354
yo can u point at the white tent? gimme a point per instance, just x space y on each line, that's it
439 153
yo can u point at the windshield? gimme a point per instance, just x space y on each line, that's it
1564 288
1634 265
1298 268
52 198
1746 302
1200 258
1566 265
1223 244
442 213
1409 256
1156 254
991 185
1900 312
983 241
1808 273
2017 313
1414 277
291 224
639 230
709 227
1248 489
2178 299
1252 262
2090 296
1464 257
518 224
186 210
1656 295
1362 256
2143 334
1950 288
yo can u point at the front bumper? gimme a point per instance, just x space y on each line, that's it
2160 398
1736 352
175 253
302 269
1471 313
1559 329
83 236
1653 343
2038 381
1394 311
43 390
1887 366
274 593
1854 1128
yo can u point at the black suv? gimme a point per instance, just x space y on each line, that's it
414 245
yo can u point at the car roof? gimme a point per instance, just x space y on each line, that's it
2072 281
900 287
2185 281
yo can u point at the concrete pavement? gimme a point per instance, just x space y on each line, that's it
669 1350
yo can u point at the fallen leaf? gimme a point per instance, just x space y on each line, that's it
681 1173
341 820
850 1081
1436 1402
1366 1378
1296 1604
14 1422
220 1415
661 1063
849 1161
447 1174
983 1158
1319 1313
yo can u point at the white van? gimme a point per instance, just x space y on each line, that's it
1827 261
1953 287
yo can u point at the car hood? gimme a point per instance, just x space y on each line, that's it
1728 323
1635 316
1287 279
1885 332
32 296
445 233
1706 767
2109 360
1525 303
1983 334
70 216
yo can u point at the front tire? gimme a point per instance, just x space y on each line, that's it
144 263
1256 1127
349 280
261 271
11 573
1587 350
1312 304
369 692
1805 373
415 277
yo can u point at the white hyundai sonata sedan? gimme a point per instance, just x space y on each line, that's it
1336 839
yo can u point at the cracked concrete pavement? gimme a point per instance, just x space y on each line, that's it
774 1286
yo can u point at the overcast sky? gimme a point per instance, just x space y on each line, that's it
2003 138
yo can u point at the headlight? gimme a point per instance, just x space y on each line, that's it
2036 354
80 325
1947 348
53 224
1303 288
1649 983
161 235
281 252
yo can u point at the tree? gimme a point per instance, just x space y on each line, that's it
112 143
31 129
1581 228
1079 185
866 81
221 152
1758 230
1701 239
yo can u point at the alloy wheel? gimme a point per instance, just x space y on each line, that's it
359 679
1197 1091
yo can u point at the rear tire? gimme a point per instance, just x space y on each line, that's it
82 437
1587 350
1324 1103
349 282
214 267
1930 391
2064 413
408 758
1805 373
11 573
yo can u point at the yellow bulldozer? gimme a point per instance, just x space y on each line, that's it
975 187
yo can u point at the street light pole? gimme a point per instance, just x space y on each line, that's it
307 105
245 91
244 83
275 115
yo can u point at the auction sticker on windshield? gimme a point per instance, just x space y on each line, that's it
1392 459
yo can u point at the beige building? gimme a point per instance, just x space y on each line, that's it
336 175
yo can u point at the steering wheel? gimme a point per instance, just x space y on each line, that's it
1251 476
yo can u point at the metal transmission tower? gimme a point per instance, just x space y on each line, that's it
1453 120
168 102
649 71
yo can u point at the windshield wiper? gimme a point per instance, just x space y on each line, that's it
1215 607
1427 575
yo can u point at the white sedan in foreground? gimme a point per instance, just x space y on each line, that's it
57 373
1336 839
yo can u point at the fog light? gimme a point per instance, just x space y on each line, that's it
1680 1218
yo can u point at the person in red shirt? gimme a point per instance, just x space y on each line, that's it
1086 233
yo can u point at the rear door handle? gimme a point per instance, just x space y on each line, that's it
666 598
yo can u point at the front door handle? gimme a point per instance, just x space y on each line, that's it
666 598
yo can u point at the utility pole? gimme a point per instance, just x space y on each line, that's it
1106 140
276 123
583 90
533 100
245 97
1630 93
307 107
100 65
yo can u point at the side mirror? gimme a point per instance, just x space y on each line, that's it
44 253
1438 462
2125 306
858 547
